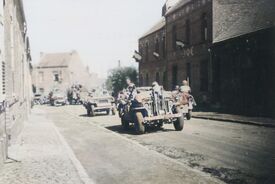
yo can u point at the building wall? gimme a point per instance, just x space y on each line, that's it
193 61
243 70
44 79
74 72
152 68
15 97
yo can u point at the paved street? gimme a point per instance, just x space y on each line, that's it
203 151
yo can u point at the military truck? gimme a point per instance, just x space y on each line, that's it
151 108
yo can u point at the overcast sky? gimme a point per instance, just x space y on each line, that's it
102 31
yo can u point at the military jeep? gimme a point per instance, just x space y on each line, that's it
152 108
99 101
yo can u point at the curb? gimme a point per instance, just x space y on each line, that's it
236 121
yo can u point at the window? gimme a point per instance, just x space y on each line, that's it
164 79
204 75
157 77
147 52
204 28
56 77
164 47
3 79
187 31
41 90
41 76
140 80
147 79
174 37
141 53
157 46
188 73
174 76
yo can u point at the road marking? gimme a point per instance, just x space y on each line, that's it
80 169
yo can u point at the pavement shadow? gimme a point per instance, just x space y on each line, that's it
97 115
131 131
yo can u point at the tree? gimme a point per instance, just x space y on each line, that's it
116 80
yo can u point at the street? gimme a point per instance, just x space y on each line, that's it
204 152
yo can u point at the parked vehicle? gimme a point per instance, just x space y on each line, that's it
152 108
37 99
57 97
99 101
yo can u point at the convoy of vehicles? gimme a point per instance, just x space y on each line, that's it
150 107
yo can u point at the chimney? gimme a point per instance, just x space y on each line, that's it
41 54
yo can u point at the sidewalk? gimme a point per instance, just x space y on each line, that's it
266 122
43 157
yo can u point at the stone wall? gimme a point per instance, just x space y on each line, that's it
15 102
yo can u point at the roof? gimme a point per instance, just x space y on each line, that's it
56 59
159 25
178 5
170 3
233 18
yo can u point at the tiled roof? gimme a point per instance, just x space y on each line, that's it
234 18
56 59
159 25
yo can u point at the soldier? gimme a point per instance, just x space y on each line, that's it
131 89
185 87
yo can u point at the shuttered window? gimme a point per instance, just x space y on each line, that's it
3 79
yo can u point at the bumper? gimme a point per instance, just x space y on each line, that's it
163 117
103 108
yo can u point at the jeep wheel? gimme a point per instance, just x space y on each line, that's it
179 123
160 125
113 111
124 123
139 127
189 115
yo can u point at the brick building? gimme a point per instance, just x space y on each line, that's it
182 39
15 73
152 47
243 56
190 22
60 70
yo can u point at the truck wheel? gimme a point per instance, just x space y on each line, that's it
92 113
108 112
124 123
189 115
179 123
88 112
139 127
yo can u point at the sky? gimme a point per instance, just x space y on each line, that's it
102 31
